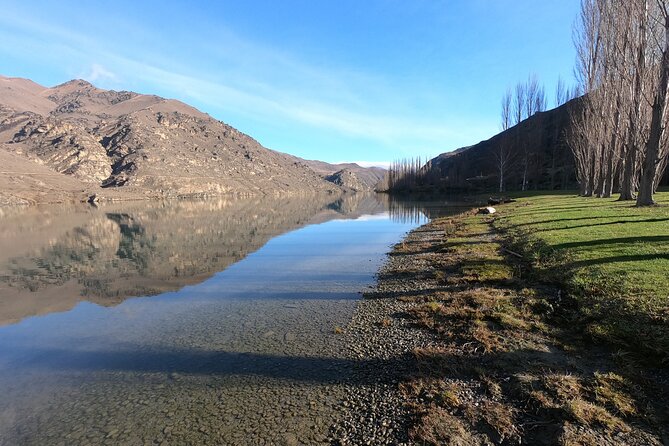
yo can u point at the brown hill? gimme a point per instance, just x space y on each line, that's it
142 145
350 176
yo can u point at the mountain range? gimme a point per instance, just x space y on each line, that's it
75 141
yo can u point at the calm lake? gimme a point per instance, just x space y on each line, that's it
185 322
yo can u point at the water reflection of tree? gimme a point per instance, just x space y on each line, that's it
406 210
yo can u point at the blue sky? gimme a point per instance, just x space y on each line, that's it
344 80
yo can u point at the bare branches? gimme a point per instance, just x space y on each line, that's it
562 93
506 109
503 154
623 66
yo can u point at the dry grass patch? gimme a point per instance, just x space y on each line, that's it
610 390
438 427
496 417
500 374
562 387
591 415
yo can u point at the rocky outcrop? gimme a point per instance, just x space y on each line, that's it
350 176
347 179
142 144
63 146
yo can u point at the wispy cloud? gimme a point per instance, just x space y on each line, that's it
333 101
98 73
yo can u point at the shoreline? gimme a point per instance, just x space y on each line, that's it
382 340
464 345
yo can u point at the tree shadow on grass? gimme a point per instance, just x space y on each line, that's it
613 241
556 220
544 210
619 259
617 222
602 304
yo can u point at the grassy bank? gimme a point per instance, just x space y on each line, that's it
611 259
511 304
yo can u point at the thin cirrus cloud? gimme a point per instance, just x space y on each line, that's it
273 103
98 73
232 92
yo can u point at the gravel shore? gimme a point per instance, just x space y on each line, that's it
382 339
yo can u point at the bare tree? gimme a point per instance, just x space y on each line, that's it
561 92
653 154
503 154
583 136
634 23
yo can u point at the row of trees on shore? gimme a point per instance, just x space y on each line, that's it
618 135
408 174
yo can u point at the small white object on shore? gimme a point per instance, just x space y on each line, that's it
487 210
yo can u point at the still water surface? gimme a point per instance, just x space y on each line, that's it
185 322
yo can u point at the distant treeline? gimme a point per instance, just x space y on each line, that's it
408 174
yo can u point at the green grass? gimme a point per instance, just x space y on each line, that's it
612 256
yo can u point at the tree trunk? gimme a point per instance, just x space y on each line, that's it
524 185
601 182
652 149
647 180
608 178
627 188
590 186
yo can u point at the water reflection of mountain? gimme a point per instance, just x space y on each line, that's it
53 257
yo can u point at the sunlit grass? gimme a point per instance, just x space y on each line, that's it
612 254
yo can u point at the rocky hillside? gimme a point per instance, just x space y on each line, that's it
139 144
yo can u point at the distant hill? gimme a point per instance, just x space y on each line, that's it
350 176
538 152
124 144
